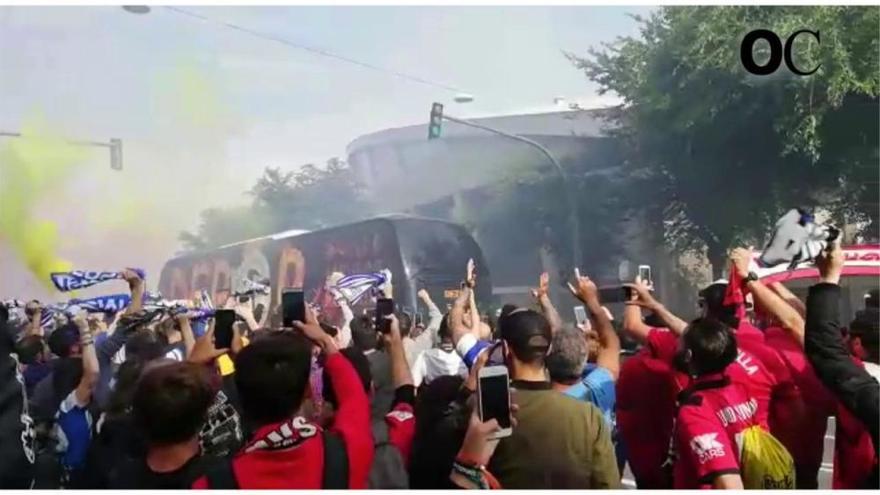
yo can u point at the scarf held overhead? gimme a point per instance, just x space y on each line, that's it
79 279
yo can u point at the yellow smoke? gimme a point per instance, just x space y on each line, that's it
30 168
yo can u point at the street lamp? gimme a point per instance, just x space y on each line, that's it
136 9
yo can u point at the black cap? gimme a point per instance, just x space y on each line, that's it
713 297
527 333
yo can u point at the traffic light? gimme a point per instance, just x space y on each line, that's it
436 122
116 154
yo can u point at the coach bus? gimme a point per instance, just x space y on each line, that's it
421 253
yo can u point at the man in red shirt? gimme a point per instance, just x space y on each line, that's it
748 370
287 450
713 410
645 410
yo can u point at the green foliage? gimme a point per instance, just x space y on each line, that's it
309 198
734 150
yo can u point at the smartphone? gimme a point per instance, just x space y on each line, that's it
493 396
293 307
645 275
384 307
580 315
223 321
418 320
627 293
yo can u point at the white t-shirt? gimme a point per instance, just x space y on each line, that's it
435 363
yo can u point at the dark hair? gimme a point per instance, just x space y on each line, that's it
713 298
441 422
62 340
404 320
145 345
29 348
271 375
361 365
171 402
119 400
66 375
443 330
528 335
712 345
654 320
329 329
866 326
363 334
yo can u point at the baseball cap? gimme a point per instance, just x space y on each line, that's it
527 333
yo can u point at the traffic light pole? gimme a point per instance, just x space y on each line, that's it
115 147
572 204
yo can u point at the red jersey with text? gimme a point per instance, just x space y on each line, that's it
747 371
786 407
712 414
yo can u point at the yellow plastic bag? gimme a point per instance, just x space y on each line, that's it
765 463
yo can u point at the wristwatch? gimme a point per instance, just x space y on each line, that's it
751 277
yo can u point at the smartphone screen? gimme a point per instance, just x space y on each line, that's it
645 274
580 315
223 321
384 307
293 307
495 399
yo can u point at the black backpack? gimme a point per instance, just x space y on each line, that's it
334 477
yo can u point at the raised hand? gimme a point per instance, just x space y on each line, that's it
741 258
586 290
313 331
642 295
471 274
131 277
543 286
204 351
830 263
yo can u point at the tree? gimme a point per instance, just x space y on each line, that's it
310 198
733 150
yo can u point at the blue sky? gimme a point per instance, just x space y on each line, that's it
198 104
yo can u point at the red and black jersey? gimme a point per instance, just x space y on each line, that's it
290 454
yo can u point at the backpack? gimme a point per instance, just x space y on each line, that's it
334 477
388 470
765 463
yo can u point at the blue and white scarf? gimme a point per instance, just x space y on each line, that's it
79 279
355 287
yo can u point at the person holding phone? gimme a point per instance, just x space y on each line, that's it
287 450
547 421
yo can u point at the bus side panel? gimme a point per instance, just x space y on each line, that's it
361 248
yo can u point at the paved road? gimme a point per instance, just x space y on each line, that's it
824 471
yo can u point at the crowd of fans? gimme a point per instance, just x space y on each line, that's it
130 401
